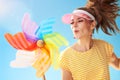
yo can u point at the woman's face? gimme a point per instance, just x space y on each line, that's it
81 27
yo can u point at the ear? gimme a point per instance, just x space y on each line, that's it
93 25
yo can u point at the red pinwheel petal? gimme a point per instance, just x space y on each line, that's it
19 41
10 39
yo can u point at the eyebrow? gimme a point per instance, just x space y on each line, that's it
80 18
77 18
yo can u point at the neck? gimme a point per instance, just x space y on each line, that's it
84 44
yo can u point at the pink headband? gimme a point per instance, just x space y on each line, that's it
81 13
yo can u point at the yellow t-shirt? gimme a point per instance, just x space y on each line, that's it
90 65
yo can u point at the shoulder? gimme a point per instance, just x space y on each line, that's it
100 41
66 51
103 44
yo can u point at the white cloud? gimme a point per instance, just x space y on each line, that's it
11 13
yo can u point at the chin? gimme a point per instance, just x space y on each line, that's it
78 37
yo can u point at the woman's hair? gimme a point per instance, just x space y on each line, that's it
105 13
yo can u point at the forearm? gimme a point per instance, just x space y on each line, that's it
115 61
119 63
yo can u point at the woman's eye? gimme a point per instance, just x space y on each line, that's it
80 20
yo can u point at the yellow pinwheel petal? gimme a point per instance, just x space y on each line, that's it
55 39
42 62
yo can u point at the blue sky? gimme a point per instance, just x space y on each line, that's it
11 14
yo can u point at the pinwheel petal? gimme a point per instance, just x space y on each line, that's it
54 41
19 41
42 62
23 59
29 28
45 28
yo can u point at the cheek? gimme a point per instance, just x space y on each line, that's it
84 28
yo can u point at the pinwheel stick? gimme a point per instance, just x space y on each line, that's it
43 77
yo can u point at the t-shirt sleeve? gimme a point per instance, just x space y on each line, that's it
109 50
64 61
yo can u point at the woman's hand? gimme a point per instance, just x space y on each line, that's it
115 62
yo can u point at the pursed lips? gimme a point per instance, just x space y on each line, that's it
76 31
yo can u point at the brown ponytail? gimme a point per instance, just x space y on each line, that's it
105 13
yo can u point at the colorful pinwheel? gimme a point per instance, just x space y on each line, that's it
37 45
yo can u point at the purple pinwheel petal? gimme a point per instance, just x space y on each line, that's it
29 28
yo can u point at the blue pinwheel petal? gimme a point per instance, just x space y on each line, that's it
45 28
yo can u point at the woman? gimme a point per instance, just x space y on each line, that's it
88 58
